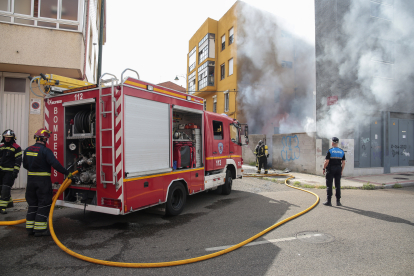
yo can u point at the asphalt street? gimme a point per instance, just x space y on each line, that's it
372 234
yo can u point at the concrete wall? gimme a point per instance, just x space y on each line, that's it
294 151
28 48
248 151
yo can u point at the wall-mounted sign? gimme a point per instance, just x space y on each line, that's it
35 106
332 100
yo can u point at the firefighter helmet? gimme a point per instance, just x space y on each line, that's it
260 142
42 134
8 133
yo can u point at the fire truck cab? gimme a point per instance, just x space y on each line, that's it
138 145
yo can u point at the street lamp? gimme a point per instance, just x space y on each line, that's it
181 76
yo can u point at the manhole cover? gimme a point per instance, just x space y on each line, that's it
314 237
401 178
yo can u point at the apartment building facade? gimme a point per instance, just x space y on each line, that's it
43 36
212 63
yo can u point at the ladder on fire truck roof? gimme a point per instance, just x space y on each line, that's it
113 112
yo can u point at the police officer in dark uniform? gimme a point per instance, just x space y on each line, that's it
10 162
38 160
333 167
262 155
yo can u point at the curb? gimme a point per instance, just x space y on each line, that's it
391 186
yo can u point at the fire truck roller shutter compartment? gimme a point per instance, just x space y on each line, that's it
147 137
187 140
80 150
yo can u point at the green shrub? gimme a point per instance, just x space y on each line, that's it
368 186
397 186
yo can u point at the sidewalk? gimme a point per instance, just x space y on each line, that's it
378 180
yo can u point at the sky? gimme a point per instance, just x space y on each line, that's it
152 37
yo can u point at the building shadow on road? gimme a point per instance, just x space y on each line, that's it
209 220
377 215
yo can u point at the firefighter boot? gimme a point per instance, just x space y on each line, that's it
265 172
258 172
3 211
42 234
338 202
328 202
10 204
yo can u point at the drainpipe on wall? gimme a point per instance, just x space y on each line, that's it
101 28
386 141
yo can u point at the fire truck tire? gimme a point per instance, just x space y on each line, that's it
228 183
176 199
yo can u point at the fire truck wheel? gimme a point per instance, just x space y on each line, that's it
176 199
226 190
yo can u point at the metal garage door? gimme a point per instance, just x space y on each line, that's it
401 142
14 107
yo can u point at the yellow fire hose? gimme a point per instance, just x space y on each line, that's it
66 184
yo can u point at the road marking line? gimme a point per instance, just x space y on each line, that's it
262 242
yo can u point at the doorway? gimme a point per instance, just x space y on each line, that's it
14 113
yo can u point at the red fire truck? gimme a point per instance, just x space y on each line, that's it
137 145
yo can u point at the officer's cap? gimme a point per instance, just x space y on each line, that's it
335 139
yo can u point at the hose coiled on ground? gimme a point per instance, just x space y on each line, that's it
66 184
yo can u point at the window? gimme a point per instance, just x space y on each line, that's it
230 67
286 64
215 104
223 42
14 85
226 101
382 11
191 82
206 47
205 104
218 130
234 134
192 60
202 40
202 55
231 36
61 14
222 71
206 74
277 93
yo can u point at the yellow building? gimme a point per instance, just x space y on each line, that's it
50 37
211 64
250 66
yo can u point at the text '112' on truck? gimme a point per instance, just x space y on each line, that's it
138 145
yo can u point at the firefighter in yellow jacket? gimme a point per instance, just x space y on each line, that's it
10 162
262 155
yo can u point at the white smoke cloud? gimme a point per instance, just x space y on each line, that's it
372 55
276 76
